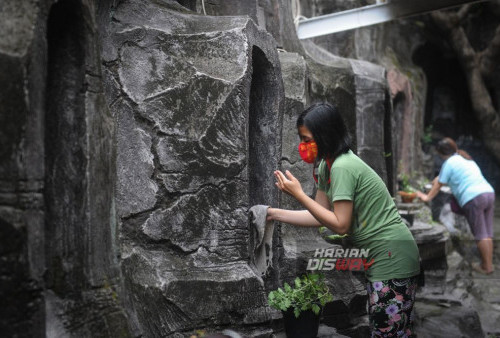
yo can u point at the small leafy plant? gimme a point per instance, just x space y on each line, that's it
405 184
309 293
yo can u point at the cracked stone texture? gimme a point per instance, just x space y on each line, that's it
275 16
198 101
135 189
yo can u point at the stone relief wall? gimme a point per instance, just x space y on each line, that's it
135 136
382 45
198 106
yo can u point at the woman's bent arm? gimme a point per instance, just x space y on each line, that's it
339 221
436 186
318 213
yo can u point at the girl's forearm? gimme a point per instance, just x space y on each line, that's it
294 217
305 218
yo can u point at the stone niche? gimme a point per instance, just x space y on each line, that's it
57 176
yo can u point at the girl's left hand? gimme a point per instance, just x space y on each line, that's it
290 185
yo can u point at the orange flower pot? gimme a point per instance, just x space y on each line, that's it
407 197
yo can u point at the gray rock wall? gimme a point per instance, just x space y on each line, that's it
274 16
134 137
57 174
21 174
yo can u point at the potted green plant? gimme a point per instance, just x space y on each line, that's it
407 192
301 305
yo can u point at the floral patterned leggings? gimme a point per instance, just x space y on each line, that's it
390 307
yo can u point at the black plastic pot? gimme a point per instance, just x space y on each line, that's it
305 326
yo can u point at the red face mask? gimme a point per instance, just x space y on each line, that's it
308 151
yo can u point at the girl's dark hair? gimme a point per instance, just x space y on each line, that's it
447 147
328 129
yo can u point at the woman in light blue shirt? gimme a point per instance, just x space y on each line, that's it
474 195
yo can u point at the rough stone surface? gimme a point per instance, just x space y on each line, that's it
199 106
445 319
324 331
455 300
434 244
373 119
57 176
135 190
275 16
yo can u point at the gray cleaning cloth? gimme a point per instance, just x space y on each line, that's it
262 232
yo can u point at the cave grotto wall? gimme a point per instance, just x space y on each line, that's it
360 89
21 178
176 159
133 134
449 108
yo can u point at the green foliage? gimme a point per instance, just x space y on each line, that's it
309 293
427 136
405 183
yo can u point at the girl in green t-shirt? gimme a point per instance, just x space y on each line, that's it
352 199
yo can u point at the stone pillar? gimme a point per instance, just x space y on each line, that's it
198 105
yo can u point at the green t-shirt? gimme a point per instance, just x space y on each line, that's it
376 224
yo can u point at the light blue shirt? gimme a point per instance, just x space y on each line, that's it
464 179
